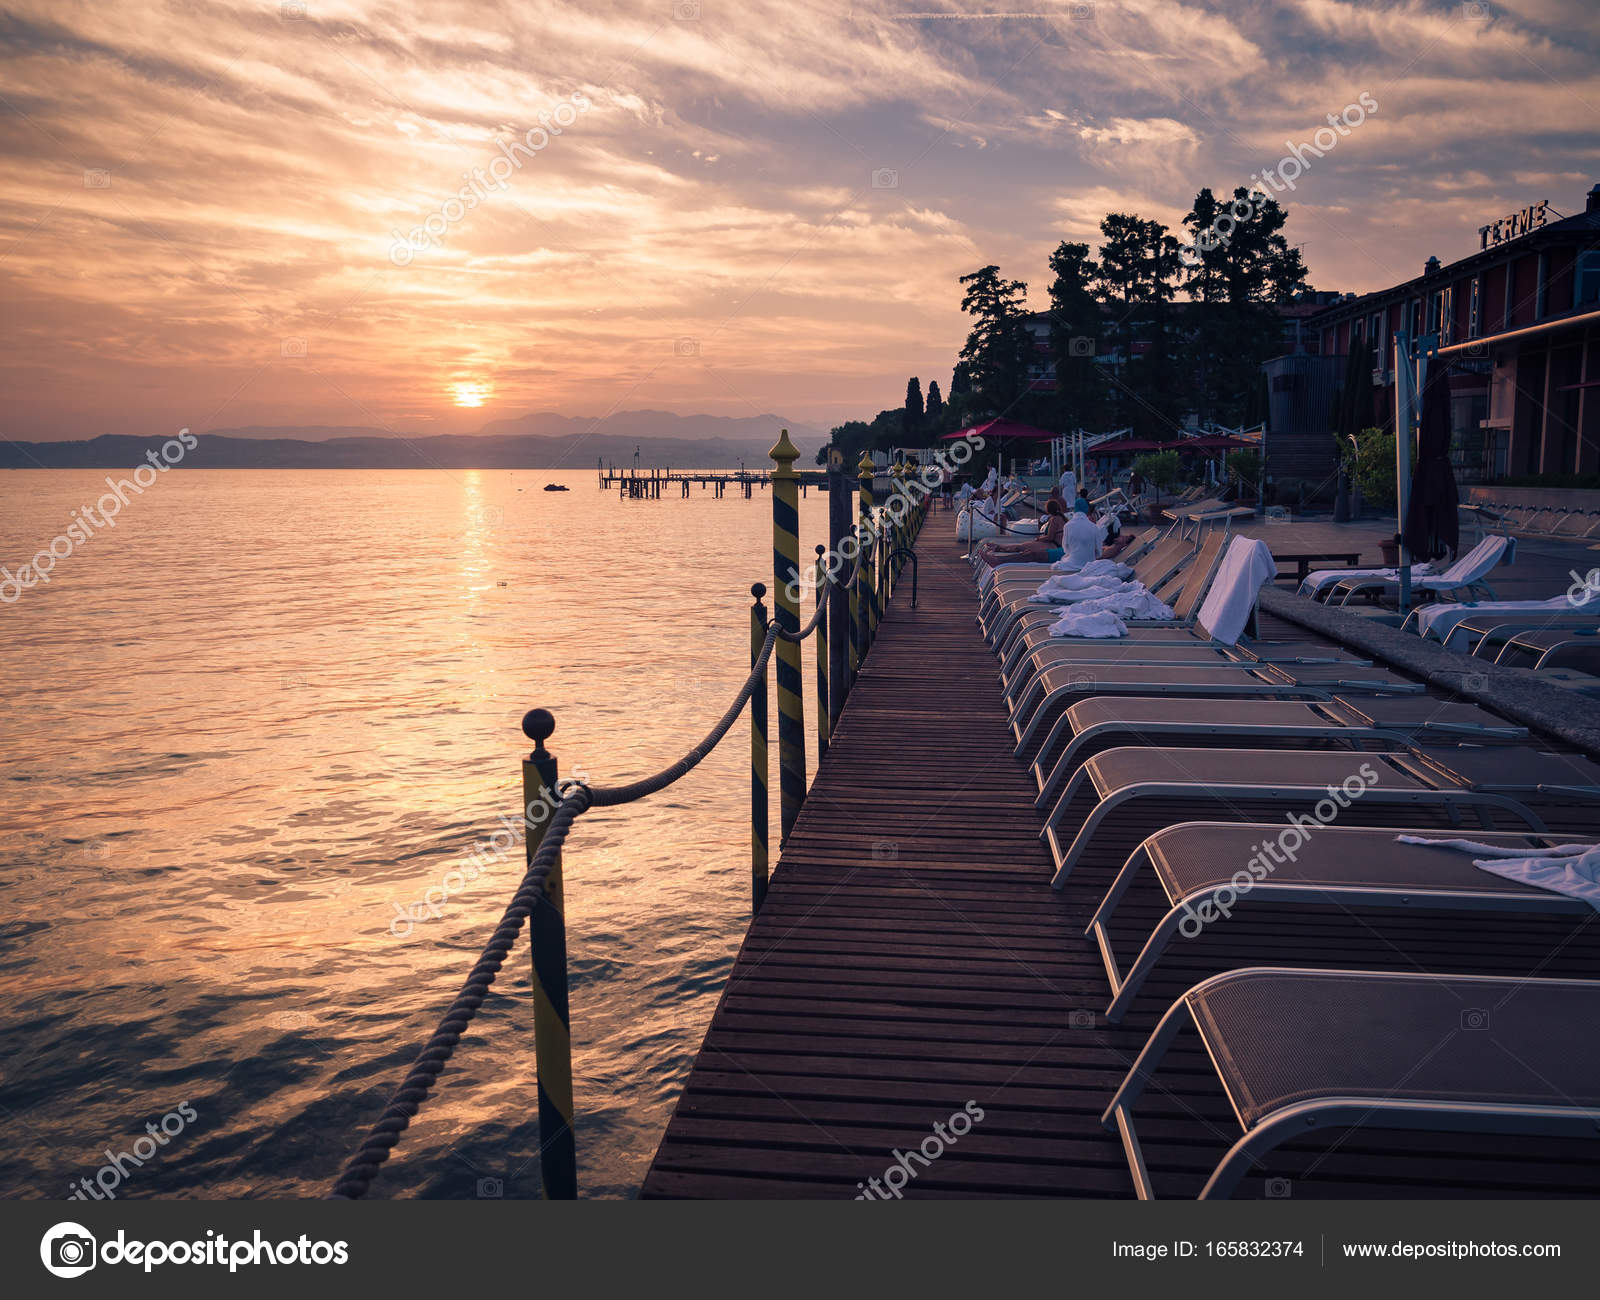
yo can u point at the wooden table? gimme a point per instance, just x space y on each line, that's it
1303 560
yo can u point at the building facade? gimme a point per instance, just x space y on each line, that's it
1518 319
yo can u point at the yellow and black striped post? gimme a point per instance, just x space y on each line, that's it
867 536
758 755
786 608
885 548
858 644
822 654
898 519
547 933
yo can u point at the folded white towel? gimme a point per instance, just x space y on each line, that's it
1100 623
1570 869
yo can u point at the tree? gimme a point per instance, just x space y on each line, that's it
1238 253
1136 277
960 379
1075 322
851 438
913 412
1374 467
1238 266
1244 468
997 349
933 415
1138 261
1162 470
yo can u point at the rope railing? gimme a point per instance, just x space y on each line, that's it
538 896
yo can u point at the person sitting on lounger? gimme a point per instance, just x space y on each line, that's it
1081 537
1046 548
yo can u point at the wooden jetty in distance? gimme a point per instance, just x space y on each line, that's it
651 484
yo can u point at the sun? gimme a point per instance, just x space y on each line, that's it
471 394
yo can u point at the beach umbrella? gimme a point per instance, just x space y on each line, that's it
1001 431
1431 525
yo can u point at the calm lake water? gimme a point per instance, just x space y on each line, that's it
258 719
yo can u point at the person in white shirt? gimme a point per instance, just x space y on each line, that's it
1083 536
1069 485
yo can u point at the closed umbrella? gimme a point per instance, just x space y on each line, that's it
1432 527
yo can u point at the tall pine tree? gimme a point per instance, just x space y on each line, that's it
997 350
913 421
1136 278
1075 328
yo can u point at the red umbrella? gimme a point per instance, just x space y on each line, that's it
1215 442
1001 429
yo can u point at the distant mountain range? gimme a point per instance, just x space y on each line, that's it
543 440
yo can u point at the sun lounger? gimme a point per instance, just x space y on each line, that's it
1485 635
1319 582
1237 585
1577 648
1197 865
1059 685
1300 1051
1094 725
1436 622
1127 652
1121 795
1195 577
1008 602
1462 578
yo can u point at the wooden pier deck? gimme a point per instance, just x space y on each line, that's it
911 958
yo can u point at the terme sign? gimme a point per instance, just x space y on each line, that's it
1515 226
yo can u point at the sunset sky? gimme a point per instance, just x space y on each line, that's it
199 200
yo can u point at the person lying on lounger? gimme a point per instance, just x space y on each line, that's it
1044 548
1116 541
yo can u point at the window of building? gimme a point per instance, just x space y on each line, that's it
1586 278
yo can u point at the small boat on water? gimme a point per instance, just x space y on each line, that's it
556 487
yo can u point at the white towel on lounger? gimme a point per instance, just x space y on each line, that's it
1099 623
1317 579
1132 601
1068 589
1439 621
1094 568
1570 869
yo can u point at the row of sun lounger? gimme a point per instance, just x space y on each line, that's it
1540 521
1173 755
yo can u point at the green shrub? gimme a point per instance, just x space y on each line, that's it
1374 468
